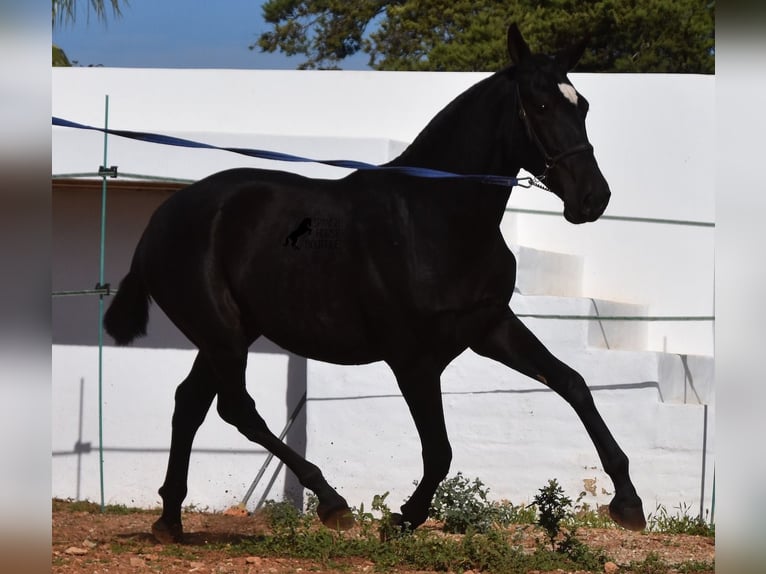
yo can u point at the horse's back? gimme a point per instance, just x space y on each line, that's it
280 248
247 198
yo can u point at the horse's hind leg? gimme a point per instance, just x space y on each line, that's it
512 344
237 407
193 398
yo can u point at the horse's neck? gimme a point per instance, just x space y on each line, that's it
474 134
471 135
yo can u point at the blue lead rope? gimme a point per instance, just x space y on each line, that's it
501 180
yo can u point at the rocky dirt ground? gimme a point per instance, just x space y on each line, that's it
90 542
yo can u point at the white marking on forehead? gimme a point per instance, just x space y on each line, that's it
569 92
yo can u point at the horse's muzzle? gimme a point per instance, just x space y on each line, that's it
590 209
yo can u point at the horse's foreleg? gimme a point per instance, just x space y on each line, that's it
421 389
512 344
192 402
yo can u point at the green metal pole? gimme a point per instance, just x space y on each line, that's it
712 502
101 310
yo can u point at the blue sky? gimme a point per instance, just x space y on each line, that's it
176 34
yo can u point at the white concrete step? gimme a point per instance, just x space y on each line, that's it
551 283
552 320
547 273
687 379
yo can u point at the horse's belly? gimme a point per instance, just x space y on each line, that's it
319 323
338 343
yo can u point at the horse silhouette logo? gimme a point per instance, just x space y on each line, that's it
303 229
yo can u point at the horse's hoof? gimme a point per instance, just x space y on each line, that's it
628 516
336 518
168 534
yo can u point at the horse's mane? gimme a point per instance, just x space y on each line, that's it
435 147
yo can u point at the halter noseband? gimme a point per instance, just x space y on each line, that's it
550 161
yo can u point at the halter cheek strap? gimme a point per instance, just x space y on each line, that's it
550 161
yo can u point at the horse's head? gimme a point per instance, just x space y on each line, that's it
553 114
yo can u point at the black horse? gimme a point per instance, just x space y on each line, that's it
405 270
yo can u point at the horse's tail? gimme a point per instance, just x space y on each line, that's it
127 316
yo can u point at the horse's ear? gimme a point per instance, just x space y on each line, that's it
517 47
568 57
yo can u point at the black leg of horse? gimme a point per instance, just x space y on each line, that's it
238 409
421 389
193 398
512 344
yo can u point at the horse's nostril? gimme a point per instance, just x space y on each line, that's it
587 204
594 204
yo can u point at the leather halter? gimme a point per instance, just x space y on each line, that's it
550 161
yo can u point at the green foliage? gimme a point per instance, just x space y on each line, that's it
555 510
59 58
553 506
297 535
694 566
652 564
72 505
283 517
680 523
463 35
463 505
65 11
583 516
120 548
174 550
582 554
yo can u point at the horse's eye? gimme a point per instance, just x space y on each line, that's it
541 107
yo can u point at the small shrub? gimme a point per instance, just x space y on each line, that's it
556 510
463 505
491 552
582 554
553 506
545 559
363 519
284 518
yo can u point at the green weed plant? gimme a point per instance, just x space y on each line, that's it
680 523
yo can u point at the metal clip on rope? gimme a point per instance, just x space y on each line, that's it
531 181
